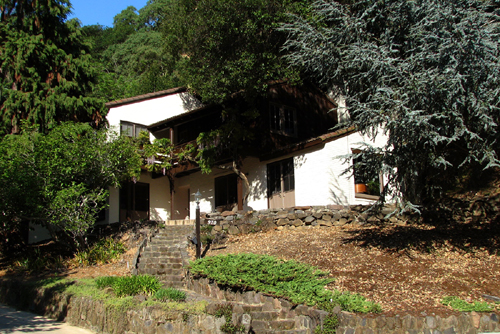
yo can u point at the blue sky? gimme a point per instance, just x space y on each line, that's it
101 11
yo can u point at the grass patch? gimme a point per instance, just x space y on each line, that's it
298 282
169 294
130 285
461 305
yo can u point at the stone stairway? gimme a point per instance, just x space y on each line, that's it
165 255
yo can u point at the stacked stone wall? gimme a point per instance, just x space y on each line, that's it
308 318
299 218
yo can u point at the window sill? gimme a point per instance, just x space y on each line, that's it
366 196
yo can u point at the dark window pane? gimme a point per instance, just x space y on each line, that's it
288 121
288 175
226 190
141 197
125 196
274 115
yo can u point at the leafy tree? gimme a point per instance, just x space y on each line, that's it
219 48
425 73
59 180
129 56
44 67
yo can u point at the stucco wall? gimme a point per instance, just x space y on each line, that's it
148 112
318 179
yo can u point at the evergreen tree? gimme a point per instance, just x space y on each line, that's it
425 73
45 69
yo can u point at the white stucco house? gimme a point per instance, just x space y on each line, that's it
292 162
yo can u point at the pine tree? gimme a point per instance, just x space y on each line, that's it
45 69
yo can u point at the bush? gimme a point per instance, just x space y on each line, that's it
170 294
104 251
298 282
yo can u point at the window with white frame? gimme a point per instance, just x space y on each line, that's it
283 119
131 129
367 182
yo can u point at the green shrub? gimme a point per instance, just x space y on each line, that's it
104 251
170 294
130 285
463 306
206 228
298 282
226 311
36 262
105 281
330 325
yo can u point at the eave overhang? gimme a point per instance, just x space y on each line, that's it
320 140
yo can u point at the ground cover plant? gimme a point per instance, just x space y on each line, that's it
464 306
300 283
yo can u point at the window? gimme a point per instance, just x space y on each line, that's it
134 196
280 176
281 184
226 190
131 129
366 180
283 119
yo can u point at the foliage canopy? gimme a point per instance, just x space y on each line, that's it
425 73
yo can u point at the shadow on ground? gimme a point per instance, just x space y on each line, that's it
461 226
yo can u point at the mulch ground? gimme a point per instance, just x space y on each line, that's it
406 269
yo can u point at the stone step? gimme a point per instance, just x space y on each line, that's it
159 266
263 326
174 284
160 255
161 248
171 278
265 316
180 222
161 260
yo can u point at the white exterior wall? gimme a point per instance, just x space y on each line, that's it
318 179
147 112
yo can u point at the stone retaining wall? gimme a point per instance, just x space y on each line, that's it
349 323
297 217
95 315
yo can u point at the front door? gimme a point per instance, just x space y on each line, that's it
281 184
181 203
